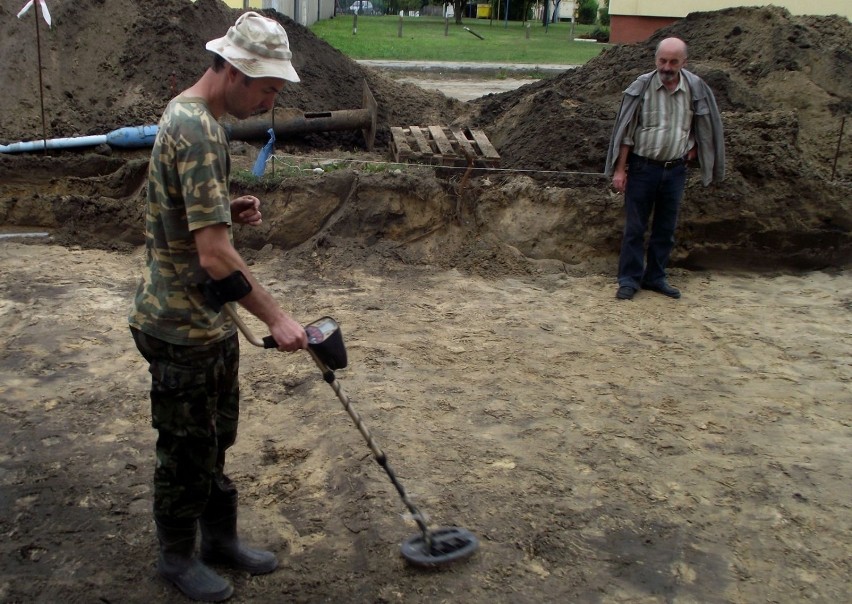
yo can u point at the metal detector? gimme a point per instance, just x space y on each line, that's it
432 547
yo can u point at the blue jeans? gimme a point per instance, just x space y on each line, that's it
651 189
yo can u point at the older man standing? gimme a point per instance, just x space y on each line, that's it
192 349
667 118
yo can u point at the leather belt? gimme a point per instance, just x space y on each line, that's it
672 163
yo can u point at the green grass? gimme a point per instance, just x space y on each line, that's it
284 167
423 39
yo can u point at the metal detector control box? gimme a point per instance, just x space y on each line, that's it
326 340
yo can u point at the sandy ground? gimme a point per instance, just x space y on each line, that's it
648 451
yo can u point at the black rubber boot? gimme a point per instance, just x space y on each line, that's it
220 543
178 564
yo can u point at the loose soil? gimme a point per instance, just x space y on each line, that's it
651 451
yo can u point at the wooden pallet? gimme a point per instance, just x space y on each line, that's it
443 146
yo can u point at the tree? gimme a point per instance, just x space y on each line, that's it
588 12
527 6
603 14
554 11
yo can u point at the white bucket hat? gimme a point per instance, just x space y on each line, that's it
258 47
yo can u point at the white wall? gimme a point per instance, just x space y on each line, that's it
566 9
305 12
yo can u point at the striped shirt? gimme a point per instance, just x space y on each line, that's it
661 128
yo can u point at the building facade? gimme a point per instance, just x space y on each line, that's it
635 20
304 12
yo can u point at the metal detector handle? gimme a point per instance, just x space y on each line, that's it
266 342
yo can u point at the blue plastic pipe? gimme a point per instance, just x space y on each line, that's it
262 157
130 137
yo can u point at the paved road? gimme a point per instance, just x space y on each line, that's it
474 79
467 89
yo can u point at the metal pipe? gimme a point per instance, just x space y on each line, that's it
350 119
285 124
130 137
40 83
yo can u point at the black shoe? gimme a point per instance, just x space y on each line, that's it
663 288
625 292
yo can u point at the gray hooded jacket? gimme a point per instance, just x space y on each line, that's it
706 125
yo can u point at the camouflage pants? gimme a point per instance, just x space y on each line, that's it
195 403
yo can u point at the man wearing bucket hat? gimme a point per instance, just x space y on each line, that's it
192 349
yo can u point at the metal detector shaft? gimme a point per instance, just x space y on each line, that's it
378 454
329 377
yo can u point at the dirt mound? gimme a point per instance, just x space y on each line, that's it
117 63
742 53
782 84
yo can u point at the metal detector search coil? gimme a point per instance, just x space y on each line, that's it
445 545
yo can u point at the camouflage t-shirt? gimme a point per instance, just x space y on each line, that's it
187 190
